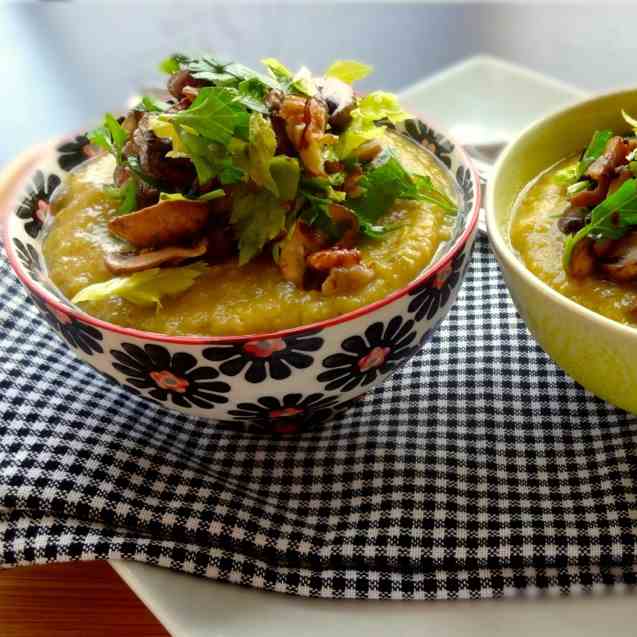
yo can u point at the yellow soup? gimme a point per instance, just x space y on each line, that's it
228 299
539 243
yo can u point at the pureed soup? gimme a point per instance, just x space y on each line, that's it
247 203
575 227
228 299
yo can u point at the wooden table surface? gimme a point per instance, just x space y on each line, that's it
79 599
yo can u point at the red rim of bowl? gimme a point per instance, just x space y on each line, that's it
51 300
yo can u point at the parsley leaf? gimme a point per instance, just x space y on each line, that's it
210 159
110 136
223 73
214 114
387 180
383 182
424 190
324 185
316 214
251 93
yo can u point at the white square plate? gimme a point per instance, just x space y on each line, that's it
482 100
485 100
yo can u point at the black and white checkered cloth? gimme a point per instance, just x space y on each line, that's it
478 470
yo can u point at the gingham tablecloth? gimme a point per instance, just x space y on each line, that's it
479 470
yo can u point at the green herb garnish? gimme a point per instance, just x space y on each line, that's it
257 217
262 146
133 163
125 194
152 105
566 176
594 150
172 64
214 115
177 196
251 93
144 288
579 186
286 172
110 136
611 219
300 83
385 181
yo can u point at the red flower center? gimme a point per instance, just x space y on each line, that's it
441 277
285 427
167 380
264 348
62 317
375 358
285 412
42 210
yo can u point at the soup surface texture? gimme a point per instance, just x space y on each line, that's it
228 299
539 243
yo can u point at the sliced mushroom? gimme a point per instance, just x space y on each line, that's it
180 80
582 261
165 223
178 172
339 98
603 247
590 198
620 262
572 220
614 155
347 280
130 263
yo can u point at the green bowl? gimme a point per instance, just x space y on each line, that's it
597 352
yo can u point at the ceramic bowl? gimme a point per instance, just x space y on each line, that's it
281 382
597 352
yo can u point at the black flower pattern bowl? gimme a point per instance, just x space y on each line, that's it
282 382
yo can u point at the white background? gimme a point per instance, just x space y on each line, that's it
62 65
